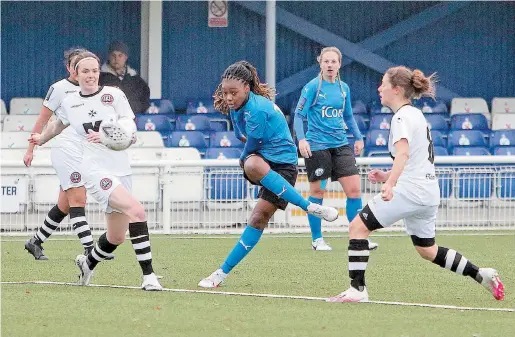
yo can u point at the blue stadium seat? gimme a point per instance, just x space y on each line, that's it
376 142
193 123
505 151
187 139
381 122
469 122
428 105
438 138
501 138
152 122
223 153
219 121
377 108
359 108
225 186
465 138
507 186
218 125
436 122
359 121
163 106
441 151
475 186
470 151
225 139
379 153
200 106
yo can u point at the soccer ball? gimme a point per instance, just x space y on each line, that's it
117 134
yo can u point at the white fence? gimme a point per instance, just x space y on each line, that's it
211 196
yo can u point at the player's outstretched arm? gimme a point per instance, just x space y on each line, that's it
51 131
44 115
378 176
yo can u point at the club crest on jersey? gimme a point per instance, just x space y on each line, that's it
319 171
107 99
75 177
106 183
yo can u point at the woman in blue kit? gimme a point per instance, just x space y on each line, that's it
269 158
326 104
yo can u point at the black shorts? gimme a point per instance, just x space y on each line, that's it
334 163
287 171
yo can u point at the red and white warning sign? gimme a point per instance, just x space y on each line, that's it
218 13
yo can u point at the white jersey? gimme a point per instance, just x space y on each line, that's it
54 97
418 180
84 112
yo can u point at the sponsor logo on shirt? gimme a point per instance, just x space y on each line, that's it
330 112
77 105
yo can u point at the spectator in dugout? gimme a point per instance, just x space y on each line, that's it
117 73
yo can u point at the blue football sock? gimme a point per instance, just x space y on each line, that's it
278 185
248 239
354 205
315 223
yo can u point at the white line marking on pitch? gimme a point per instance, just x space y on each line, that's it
5 238
230 293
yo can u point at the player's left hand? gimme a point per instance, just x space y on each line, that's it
93 137
358 147
387 191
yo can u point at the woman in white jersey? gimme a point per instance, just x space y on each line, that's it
66 156
410 191
106 173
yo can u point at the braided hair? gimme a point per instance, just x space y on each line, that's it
244 72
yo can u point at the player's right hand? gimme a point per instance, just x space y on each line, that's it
35 138
304 148
27 160
376 176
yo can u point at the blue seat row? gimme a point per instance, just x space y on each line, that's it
460 184
197 139
377 140
164 123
